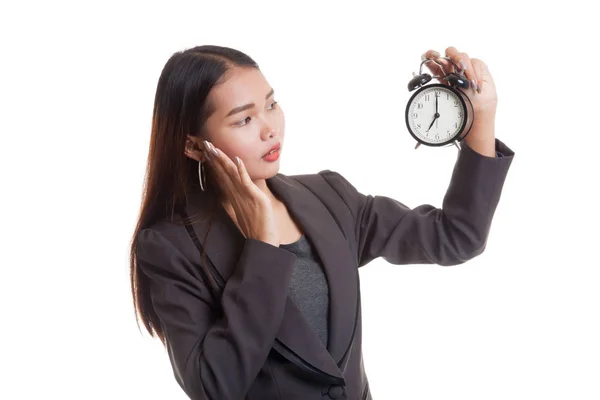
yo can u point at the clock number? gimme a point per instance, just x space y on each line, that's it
437 93
419 106
415 115
426 97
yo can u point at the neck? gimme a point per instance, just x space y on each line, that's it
262 185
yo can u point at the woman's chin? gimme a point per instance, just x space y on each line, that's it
266 172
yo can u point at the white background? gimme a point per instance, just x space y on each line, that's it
78 79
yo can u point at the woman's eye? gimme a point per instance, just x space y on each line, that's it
240 122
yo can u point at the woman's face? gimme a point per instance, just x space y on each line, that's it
241 129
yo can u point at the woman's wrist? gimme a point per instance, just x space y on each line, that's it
482 137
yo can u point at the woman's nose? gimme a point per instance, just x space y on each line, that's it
269 131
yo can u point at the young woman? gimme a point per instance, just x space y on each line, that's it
250 277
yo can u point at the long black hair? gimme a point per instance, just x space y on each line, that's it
180 108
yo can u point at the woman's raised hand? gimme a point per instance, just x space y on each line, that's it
253 209
482 90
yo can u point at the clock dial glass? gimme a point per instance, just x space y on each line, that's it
436 125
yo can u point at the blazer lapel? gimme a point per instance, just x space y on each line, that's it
225 241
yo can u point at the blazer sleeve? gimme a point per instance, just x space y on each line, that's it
216 357
453 234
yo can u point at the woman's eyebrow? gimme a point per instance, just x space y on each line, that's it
247 106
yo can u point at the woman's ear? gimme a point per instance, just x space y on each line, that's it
192 150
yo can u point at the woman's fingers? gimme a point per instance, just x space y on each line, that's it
430 54
224 169
243 173
433 64
464 62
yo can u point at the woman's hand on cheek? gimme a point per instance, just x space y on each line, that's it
254 213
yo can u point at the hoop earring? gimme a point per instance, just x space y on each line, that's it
201 176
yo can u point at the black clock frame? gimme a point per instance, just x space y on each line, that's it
460 95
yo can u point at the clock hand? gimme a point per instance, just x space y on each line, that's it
436 116
434 119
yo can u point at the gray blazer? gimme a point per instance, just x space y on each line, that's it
249 340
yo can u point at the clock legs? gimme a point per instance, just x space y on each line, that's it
455 143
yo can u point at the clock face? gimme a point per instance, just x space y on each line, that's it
435 115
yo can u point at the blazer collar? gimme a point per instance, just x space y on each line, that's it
224 242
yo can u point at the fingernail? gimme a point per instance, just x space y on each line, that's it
237 160
462 64
211 147
434 54
474 83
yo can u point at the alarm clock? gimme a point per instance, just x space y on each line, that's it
439 114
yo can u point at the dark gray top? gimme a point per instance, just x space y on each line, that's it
308 287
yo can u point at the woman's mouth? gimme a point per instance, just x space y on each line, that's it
272 156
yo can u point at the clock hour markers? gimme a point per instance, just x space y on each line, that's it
435 114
